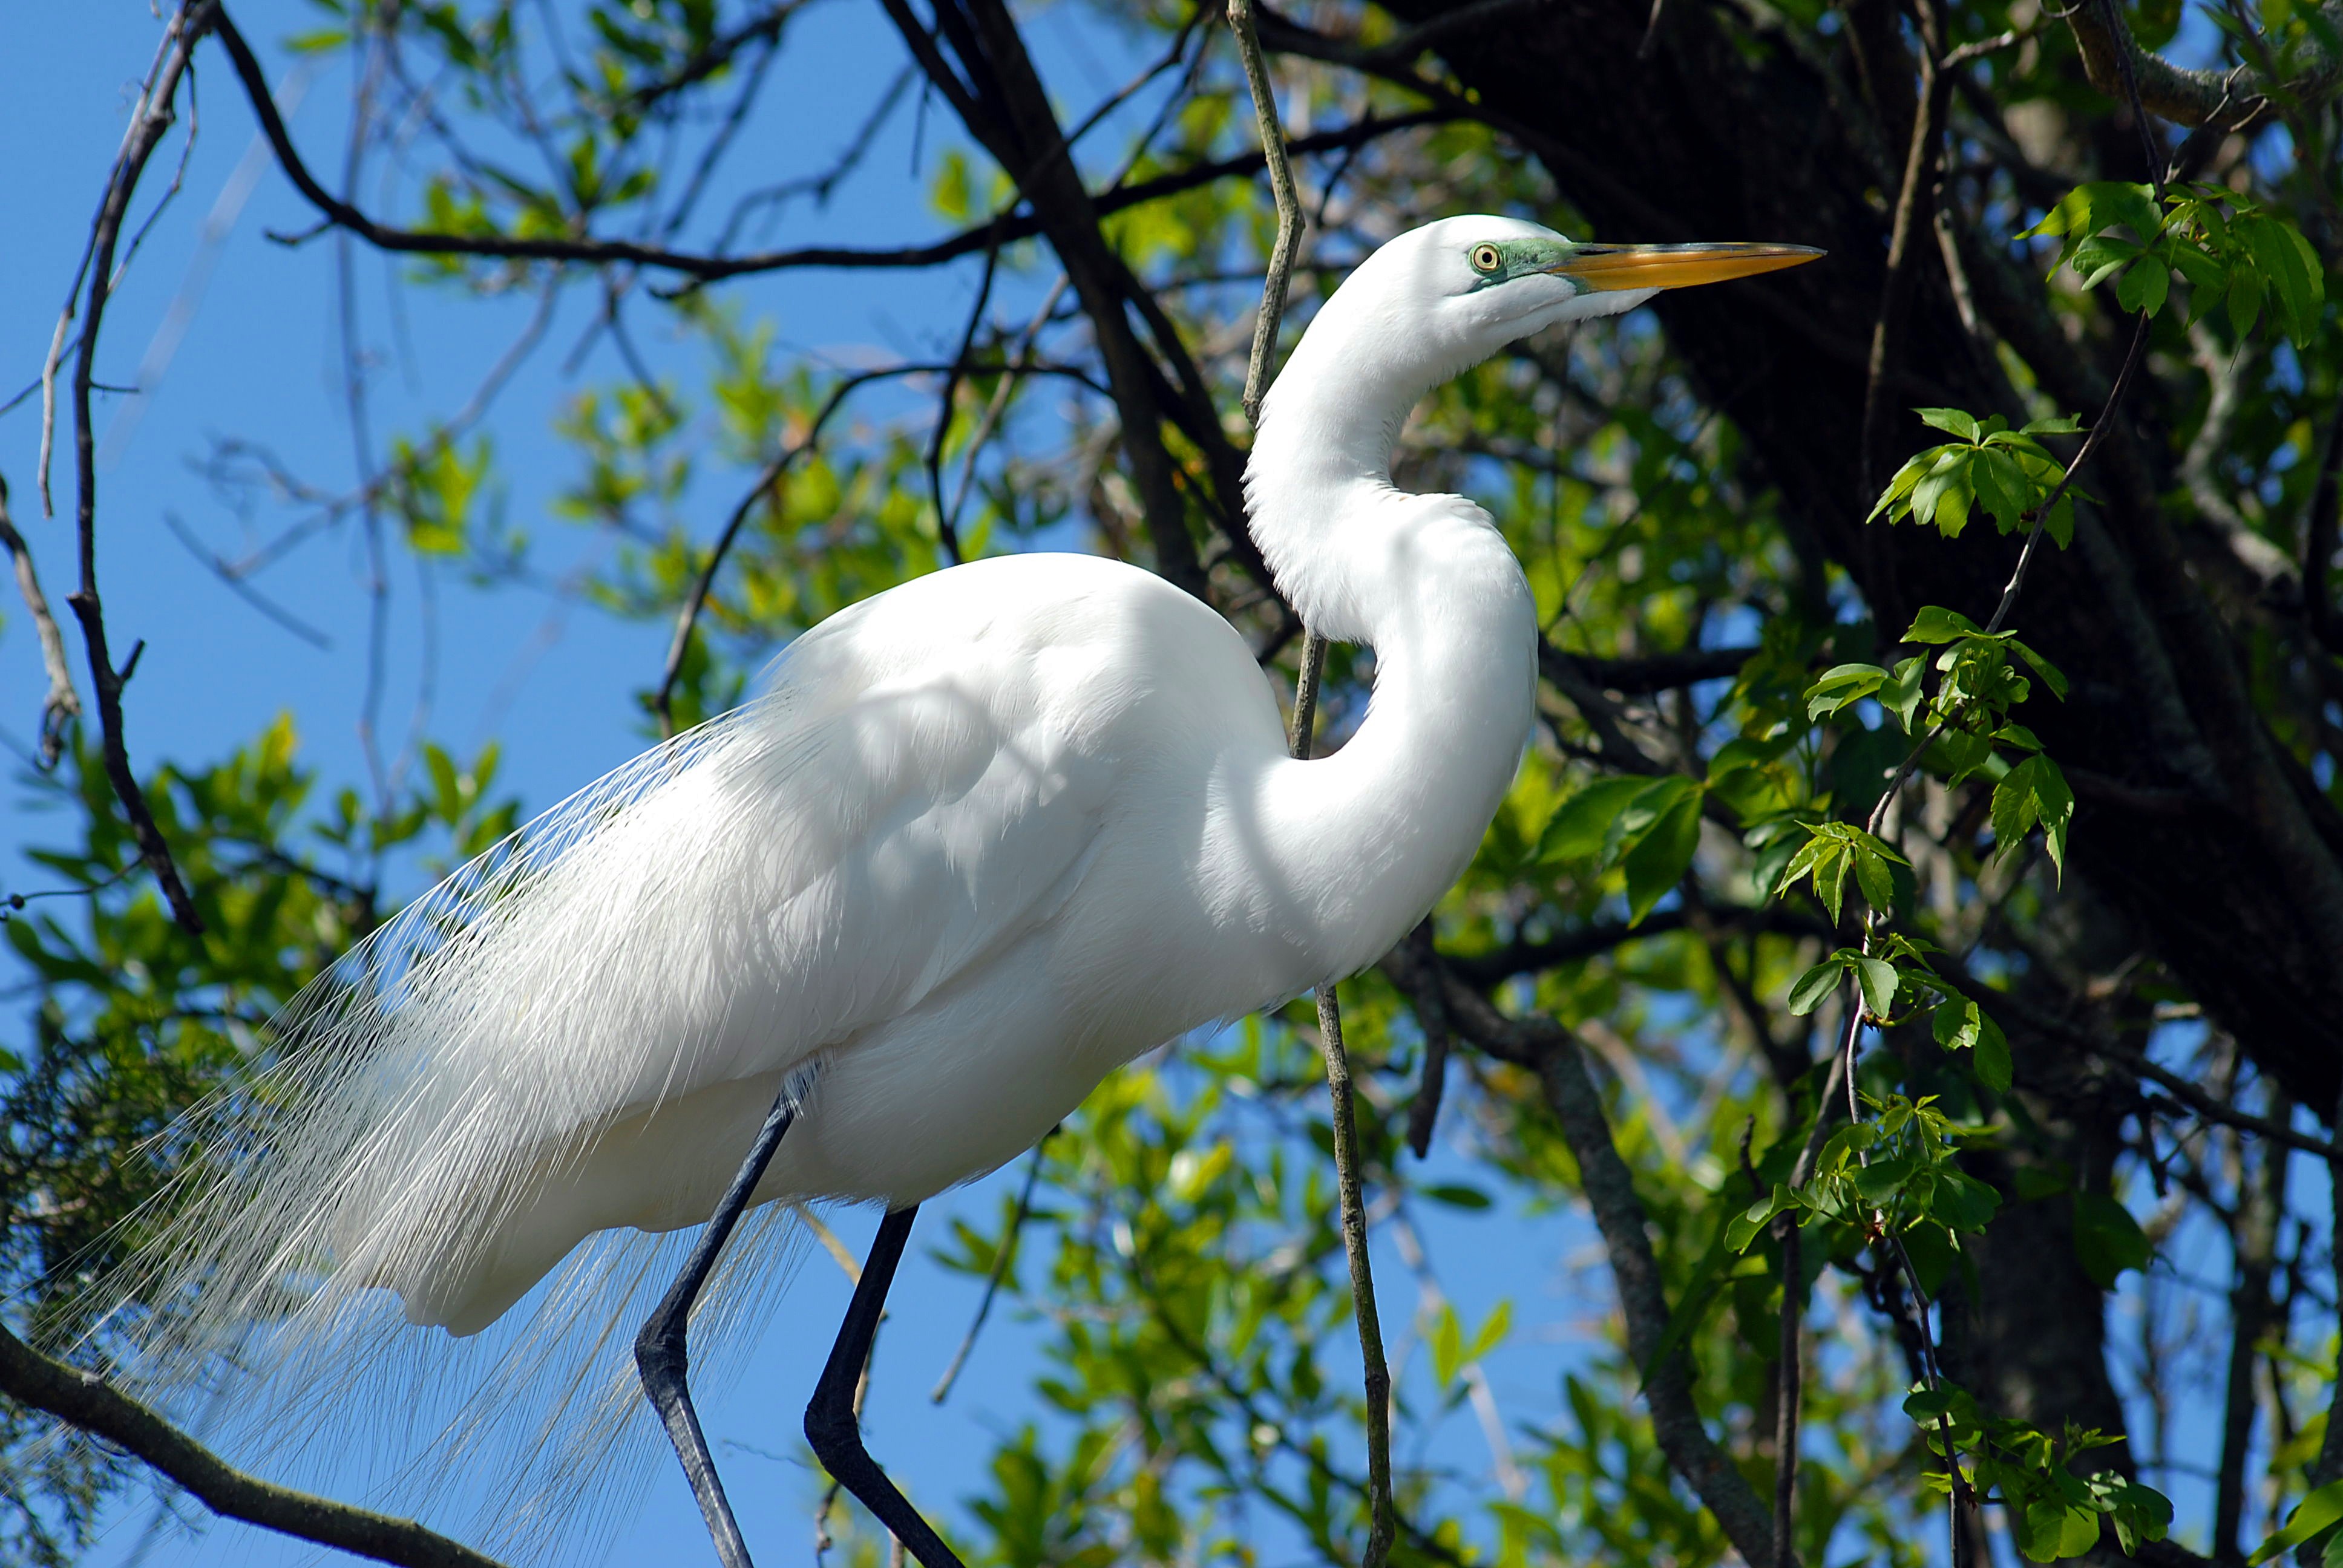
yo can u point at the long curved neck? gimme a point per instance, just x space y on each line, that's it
1367 840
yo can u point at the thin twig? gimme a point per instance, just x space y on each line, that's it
1382 1518
702 267
687 618
62 706
148 130
1289 208
1431 1017
999 405
1382 1515
1003 1257
1919 179
946 525
1786 1406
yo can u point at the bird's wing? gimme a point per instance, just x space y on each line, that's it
901 801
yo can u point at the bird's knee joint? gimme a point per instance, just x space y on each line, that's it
830 1431
660 1356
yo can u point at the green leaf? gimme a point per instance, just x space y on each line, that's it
1903 693
2034 791
1745 1227
2245 301
1578 830
2107 1240
2311 1515
1493 1332
1456 1196
2145 286
1840 686
1936 624
1814 985
1962 1201
2002 489
1990 1060
1447 1343
1659 860
1878 979
1953 421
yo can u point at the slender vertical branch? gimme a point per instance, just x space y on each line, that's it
153 119
1001 1259
1289 208
1896 290
947 522
1431 1017
1383 1525
2261 1208
1793 1384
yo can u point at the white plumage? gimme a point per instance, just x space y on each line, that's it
977 841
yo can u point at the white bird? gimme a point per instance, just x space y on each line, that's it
977 841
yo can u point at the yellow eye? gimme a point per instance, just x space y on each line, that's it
1486 259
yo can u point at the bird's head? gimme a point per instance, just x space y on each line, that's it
1445 297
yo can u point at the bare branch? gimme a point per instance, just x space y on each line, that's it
764 28
62 704
709 268
688 619
153 119
88 1402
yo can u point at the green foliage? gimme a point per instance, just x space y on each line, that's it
2007 472
1648 827
132 1021
2228 248
2314 1514
1834 850
2053 1512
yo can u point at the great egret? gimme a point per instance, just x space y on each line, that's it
978 840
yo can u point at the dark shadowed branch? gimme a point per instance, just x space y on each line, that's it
704 267
2230 100
97 1407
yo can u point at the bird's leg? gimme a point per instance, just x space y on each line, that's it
831 1425
659 1351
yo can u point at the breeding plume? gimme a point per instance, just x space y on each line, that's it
977 842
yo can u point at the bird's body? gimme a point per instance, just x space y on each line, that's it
981 840
977 842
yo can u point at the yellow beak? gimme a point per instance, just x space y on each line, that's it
1620 266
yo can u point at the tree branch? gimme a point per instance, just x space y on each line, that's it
1544 1047
2231 100
88 1402
711 268
62 704
153 119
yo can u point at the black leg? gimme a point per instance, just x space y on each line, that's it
829 1423
659 1351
